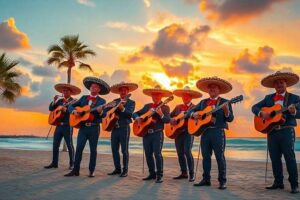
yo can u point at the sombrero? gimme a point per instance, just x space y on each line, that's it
88 81
224 85
131 87
187 90
157 90
290 78
61 86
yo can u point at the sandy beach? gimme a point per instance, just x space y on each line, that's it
23 177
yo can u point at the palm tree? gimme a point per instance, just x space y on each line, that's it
9 88
68 53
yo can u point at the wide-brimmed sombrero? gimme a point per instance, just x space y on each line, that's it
131 87
157 90
61 86
88 81
290 78
187 90
224 85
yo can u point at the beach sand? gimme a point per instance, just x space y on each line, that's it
23 177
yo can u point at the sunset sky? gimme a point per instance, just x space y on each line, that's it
169 42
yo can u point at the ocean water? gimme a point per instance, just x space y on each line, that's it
250 149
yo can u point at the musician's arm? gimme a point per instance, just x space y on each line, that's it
128 110
256 108
230 116
71 107
104 111
140 112
195 109
53 105
297 114
174 112
166 114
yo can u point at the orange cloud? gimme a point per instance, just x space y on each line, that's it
172 40
232 11
11 38
258 63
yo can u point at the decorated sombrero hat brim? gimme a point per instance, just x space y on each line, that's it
290 78
116 88
61 86
204 83
88 81
164 93
193 93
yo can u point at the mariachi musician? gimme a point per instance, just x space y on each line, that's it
63 129
213 139
121 131
89 130
184 141
153 140
281 139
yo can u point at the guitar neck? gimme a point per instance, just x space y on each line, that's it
217 108
286 108
186 113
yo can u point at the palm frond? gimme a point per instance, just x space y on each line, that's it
63 64
55 48
53 60
85 66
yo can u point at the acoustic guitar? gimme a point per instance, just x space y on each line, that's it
140 129
85 113
111 118
173 130
57 114
276 118
198 126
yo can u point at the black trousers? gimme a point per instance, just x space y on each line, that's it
213 139
120 137
65 132
184 144
281 142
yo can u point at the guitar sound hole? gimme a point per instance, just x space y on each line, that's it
272 114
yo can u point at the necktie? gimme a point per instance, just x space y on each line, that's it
278 97
212 102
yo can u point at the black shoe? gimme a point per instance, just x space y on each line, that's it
181 176
192 177
159 179
51 166
115 172
72 173
275 186
150 177
295 190
124 174
91 175
222 186
203 183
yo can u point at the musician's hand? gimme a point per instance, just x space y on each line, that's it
264 115
64 109
121 107
159 111
100 109
196 115
173 121
226 109
292 109
55 97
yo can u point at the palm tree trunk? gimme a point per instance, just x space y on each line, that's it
69 74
